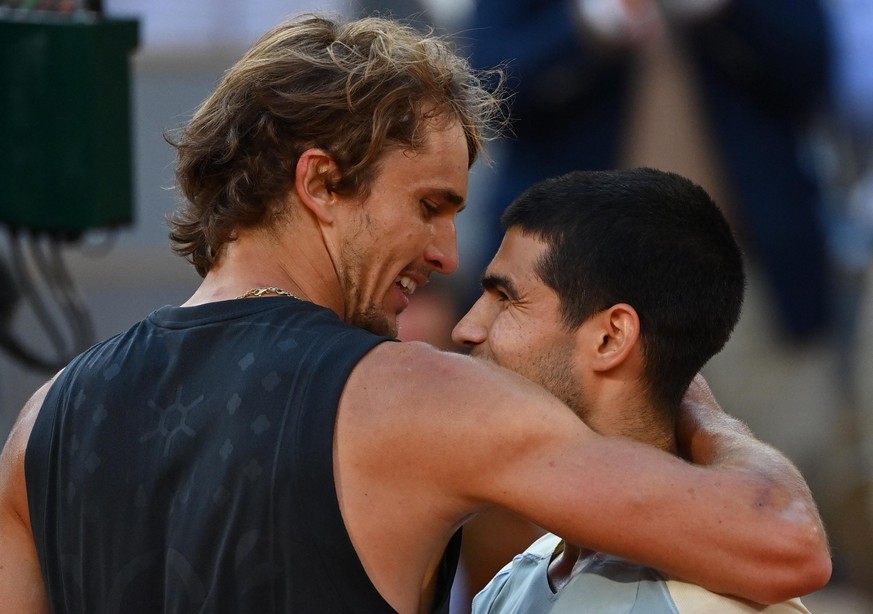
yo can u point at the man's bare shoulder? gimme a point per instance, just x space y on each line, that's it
21 586
419 368
430 405
13 492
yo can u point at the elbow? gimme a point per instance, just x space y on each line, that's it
805 565
819 573
814 568
807 578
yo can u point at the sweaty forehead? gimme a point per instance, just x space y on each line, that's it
439 164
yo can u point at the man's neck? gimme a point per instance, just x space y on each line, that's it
260 258
634 416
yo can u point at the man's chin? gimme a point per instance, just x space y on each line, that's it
376 323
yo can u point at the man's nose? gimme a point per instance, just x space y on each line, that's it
469 332
442 251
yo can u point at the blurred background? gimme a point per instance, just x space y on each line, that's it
768 105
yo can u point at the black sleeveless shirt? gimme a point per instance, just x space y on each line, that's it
187 466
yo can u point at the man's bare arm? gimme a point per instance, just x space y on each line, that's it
21 583
739 526
708 436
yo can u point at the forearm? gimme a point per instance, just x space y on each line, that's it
790 532
770 544
706 435
731 527
727 529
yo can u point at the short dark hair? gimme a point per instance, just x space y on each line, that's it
648 238
352 89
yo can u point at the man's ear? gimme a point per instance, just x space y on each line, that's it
618 334
316 172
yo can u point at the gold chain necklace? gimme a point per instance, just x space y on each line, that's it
264 291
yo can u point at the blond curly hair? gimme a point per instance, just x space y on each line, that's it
352 89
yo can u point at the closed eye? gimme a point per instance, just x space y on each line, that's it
501 287
429 209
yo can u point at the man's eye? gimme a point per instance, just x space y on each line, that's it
429 208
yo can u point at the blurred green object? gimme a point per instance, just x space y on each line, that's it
65 134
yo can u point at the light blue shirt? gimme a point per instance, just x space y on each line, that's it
603 584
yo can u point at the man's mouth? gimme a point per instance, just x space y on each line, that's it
406 283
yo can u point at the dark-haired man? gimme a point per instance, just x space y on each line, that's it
612 290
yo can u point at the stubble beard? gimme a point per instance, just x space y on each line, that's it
374 320
556 374
371 317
